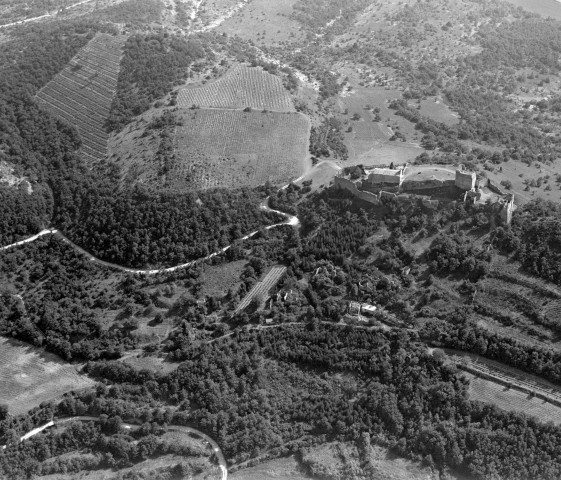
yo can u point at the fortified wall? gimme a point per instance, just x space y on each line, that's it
422 190
465 180
386 176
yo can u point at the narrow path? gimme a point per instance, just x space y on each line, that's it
290 220
127 426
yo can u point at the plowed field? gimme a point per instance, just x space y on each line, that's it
231 148
241 87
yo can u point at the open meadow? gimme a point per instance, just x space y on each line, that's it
29 376
264 22
83 92
369 125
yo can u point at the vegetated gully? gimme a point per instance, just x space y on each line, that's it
290 220
127 426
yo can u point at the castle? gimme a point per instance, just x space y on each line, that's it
428 184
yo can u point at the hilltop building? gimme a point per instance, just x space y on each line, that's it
465 180
428 184
386 176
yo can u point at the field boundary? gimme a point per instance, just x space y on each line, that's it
262 287
501 377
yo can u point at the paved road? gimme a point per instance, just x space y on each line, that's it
128 426
290 220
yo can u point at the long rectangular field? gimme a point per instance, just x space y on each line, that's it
232 148
29 376
241 87
83 92
262 287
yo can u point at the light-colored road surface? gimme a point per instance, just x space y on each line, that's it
173 428
290 220
46 15
30 239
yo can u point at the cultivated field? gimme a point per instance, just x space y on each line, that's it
229 148
241 87
83 92
509 388
512 399
262 287
29 376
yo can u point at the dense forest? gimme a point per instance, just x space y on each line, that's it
60 305
262 393
137 228
534 238
109 446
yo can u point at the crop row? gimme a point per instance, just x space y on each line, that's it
510 378
263 287
82 93
553 311
241 87
490 392
229 148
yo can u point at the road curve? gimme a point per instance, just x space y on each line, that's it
290 220
127 426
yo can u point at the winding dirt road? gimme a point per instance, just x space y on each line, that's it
290 220
46 15
127 426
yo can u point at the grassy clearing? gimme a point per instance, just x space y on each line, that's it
512 400
30 376
321 176
439 111
369 141
264 22
149 468
517 173
337 459
152 363
218 279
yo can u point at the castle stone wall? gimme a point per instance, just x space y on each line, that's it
465 180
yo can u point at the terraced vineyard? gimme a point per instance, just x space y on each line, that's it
83 92
241 87
511 399
231 148
495 371
262 288
552 311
